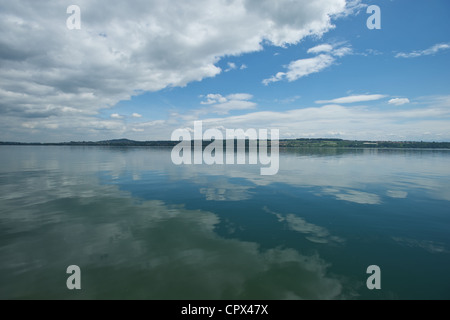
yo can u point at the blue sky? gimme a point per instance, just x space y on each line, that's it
308 68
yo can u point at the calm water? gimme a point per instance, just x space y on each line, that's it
140 227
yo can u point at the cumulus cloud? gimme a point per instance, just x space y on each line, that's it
431 115
303 67
214 98
399 101
223 105
430 51
136 115
427 121
126 49
116 116
353 99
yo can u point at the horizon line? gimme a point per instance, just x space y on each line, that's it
246 139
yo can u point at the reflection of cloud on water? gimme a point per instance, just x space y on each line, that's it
397 194
359 197
149 250
226 192
352 195
430 246
312 232
394 170
423 170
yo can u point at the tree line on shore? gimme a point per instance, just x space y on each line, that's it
283 143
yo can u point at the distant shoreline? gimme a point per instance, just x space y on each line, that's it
283 143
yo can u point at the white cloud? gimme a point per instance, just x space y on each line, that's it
353 99
214 98
225 108
343 51
231 66
321 48
371 52
240 96
304 67
136 115
223 105
301 68
243 67
434 49
123 50
116 116
429 120
352 7
431 115
399 101
289 99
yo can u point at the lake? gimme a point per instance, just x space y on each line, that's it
140 227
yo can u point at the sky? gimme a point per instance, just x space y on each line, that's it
141 69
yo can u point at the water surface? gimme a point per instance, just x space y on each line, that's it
140 227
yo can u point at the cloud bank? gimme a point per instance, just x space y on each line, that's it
53 77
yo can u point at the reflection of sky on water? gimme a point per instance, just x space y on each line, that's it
151 250
359 176
226 192
311 231
348 173
429 246
221 231
351 195
127 249
345 172
397 194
